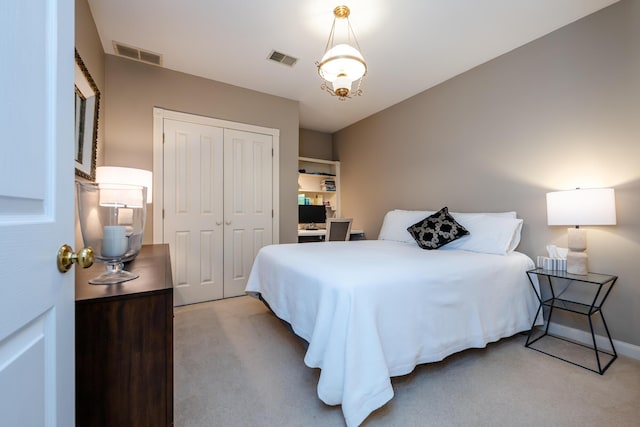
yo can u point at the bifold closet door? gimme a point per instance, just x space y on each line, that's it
193 210
248 204
218 207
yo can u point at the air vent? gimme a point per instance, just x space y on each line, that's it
137 54
282 58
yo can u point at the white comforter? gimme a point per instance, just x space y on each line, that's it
375 309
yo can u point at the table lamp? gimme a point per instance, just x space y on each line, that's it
130 176
594 206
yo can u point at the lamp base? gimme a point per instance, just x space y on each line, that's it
577 263
114 274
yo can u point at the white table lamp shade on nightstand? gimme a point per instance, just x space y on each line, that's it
595 206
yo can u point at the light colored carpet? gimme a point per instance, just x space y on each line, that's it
236 364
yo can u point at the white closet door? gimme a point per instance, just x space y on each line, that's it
248 205
193 194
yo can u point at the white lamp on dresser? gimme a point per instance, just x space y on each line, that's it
594 206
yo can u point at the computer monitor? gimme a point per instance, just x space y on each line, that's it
311 215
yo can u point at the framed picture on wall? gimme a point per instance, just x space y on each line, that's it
87 105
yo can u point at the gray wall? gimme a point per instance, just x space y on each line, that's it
90 49
87 43
134 88
559 113
317 145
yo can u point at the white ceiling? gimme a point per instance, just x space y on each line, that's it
409 45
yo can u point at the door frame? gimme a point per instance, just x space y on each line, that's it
159 114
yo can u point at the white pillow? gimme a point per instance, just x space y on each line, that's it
490 232
395 224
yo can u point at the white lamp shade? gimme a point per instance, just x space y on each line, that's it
595 206
121 195
342 59
130 176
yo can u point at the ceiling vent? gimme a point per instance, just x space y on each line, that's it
137 54
282 58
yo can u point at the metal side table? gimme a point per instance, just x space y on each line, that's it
595 290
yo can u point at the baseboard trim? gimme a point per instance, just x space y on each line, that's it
584 337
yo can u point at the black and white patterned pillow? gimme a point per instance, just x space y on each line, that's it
437 230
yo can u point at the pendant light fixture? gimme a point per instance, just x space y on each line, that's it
342 66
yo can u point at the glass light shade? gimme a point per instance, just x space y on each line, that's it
595 206
342 59
112 221
342 82
121 175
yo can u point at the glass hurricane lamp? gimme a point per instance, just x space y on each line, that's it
112 218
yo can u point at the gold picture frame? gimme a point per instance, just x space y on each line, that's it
87 105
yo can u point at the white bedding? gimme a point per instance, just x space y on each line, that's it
375 309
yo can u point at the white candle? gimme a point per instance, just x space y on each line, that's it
114 241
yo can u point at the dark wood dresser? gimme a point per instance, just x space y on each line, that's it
124 345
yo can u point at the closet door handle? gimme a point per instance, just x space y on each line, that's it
228 222
218 222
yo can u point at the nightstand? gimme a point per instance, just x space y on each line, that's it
581 294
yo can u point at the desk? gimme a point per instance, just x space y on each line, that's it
306 236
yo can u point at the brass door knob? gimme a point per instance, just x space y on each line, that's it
66 258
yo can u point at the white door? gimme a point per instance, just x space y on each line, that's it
193 213
248 206
36 213
218 199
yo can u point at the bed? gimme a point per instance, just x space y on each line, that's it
374 309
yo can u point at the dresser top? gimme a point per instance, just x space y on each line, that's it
153 264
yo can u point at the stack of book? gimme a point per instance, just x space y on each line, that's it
328 185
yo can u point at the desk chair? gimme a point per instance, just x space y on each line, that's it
338 229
